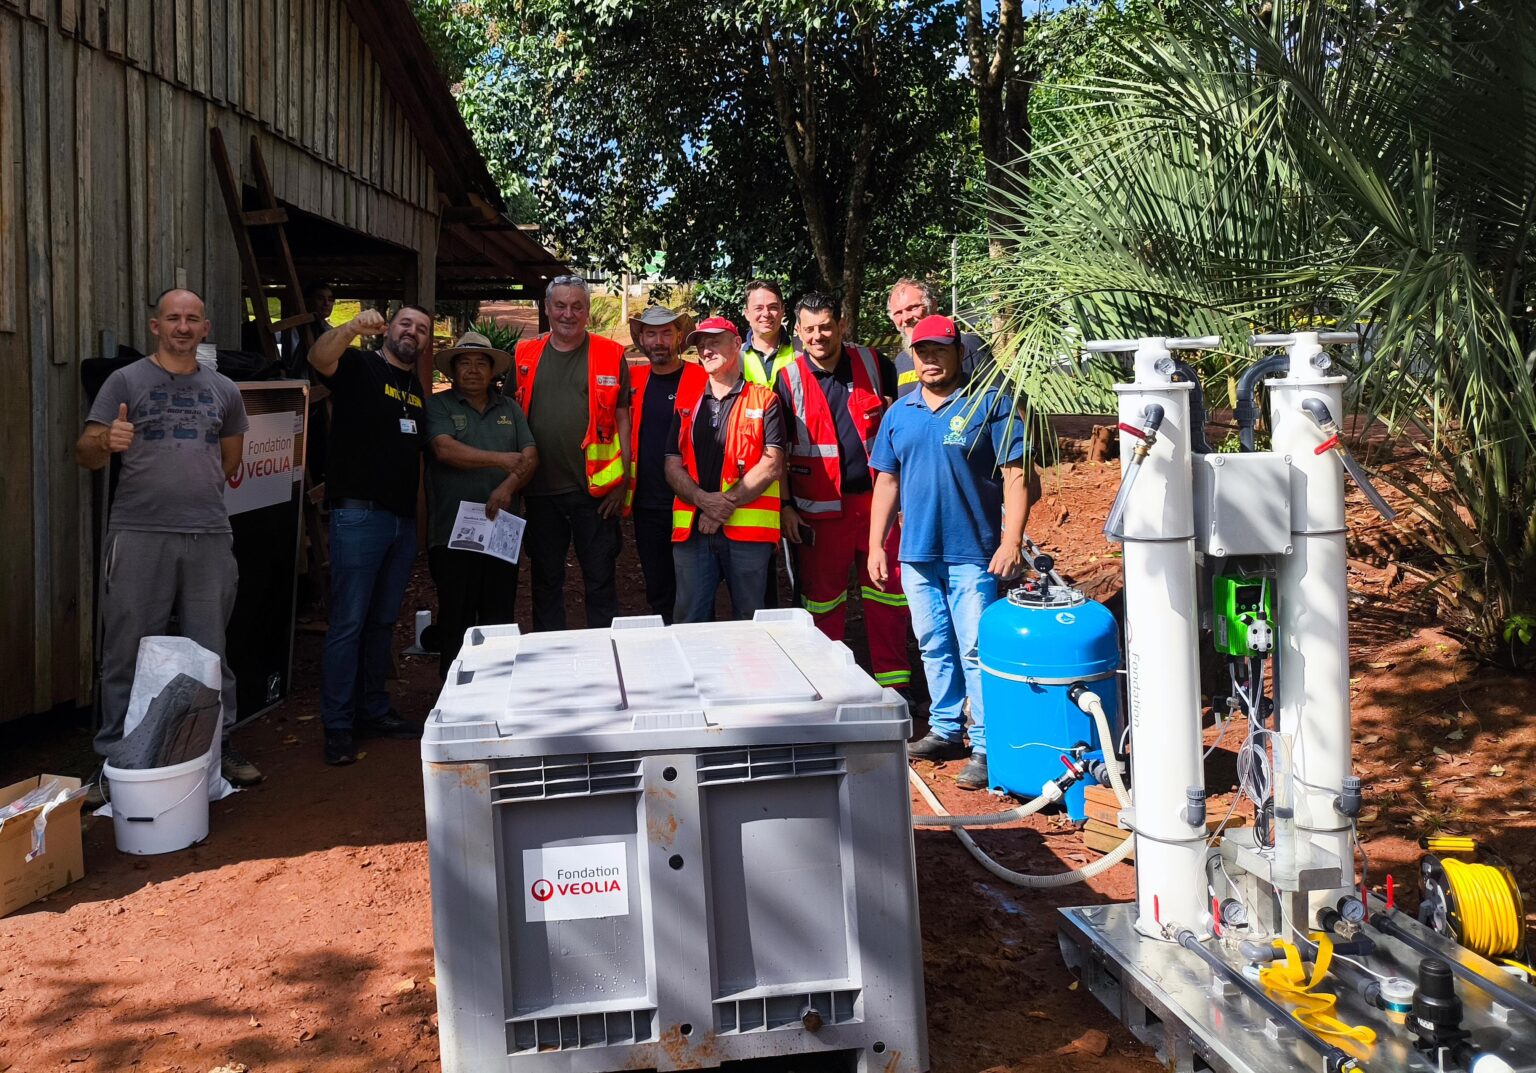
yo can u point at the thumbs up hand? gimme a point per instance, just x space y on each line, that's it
120 432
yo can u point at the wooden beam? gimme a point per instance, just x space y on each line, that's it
265 217
10 116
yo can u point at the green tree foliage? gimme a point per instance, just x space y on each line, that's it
802 140
1242 168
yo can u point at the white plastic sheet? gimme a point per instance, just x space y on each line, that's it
160 660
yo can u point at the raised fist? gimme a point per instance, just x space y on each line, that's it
120 431
368 322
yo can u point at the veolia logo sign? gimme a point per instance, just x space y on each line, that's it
269 467
576 882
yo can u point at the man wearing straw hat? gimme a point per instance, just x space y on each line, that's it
654 391
482 452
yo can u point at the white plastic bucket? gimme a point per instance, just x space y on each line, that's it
159 809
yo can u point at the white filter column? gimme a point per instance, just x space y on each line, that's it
1162 657
1312 612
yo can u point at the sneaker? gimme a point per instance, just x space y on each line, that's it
237 769
339 748
936 749
390 726
974 775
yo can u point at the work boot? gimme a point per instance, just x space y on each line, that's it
974 775
339 748
936 749
237 769
389 726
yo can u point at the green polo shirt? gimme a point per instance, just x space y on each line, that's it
502 427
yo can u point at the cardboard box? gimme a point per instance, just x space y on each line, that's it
62 862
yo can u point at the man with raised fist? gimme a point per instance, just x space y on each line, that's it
180 431
378 432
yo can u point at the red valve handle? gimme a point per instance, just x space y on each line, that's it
1327 445
1132 430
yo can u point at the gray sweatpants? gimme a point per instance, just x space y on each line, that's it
148 578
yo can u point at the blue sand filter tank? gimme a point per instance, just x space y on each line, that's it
1034 646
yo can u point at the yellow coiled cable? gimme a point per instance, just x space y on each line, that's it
1486 904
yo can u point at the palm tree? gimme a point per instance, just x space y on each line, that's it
1233 168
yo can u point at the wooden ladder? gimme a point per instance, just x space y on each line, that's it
267 214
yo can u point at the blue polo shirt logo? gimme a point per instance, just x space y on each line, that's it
956 436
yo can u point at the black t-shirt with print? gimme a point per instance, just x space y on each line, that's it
372 456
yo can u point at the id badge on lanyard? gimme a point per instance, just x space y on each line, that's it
408 426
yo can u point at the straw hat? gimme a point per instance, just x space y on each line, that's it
472 343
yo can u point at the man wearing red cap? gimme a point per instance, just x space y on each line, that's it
723 459
937 458
837 393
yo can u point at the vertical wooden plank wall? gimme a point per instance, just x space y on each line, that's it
115 199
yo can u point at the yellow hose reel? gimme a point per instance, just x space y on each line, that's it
1475 902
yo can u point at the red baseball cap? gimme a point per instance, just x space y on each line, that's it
710 326
934 329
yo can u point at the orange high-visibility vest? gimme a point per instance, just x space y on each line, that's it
691 384
600 445
757 521
817 473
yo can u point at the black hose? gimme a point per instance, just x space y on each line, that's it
1197 441
1333 1058
1383 922
1246 412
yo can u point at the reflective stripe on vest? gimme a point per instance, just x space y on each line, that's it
754 522
600 446
758 369
818 485
694 377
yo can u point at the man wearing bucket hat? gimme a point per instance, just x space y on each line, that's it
655 389
724 455
952 459
482 452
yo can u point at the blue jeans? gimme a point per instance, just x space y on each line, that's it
372 552
946 601
704 559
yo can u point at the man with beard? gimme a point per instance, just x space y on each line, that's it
951 457
655 389
378 430
833 395
724 452
910 301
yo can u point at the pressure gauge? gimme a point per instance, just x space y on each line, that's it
1352 909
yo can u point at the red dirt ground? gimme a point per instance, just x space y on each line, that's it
298 937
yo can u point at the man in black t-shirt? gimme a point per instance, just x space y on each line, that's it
654 392
378 429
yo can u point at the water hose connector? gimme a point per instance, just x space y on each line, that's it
1349 799
1194 812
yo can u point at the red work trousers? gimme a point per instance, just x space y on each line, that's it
823 565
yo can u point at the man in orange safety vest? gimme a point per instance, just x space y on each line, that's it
574 387
724 455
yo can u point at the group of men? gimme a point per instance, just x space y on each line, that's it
911 475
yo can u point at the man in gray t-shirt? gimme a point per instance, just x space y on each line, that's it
180 431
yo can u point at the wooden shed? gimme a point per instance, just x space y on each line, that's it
108 195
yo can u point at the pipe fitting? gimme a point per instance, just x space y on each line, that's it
1349 800
1194 812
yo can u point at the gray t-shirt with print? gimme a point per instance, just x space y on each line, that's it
172 480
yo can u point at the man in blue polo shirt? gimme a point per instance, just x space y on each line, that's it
953 462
